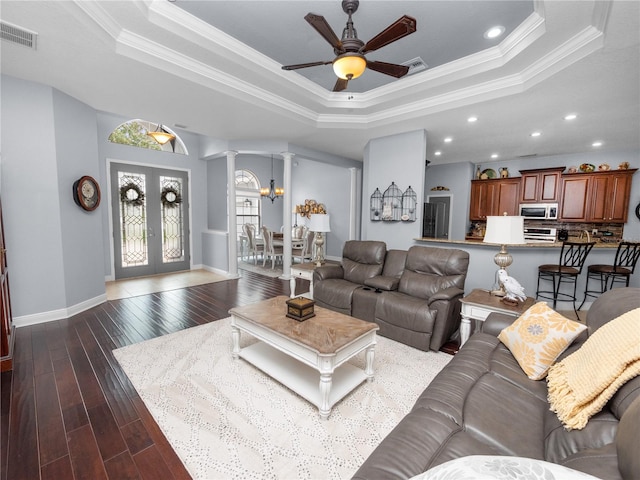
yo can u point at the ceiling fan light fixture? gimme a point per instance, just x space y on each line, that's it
160 135
349 65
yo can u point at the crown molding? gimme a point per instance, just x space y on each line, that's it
178 21
151 53
372 105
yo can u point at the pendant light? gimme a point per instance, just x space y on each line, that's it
160 135
272 192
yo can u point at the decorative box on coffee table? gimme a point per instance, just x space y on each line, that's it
300 308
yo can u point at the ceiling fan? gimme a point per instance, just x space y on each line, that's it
350 61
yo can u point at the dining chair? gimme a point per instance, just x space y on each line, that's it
270 250
303 252
566 271
606 276
255 248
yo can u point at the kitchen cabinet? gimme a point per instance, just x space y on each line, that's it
573 191
494 197
600 197
540 185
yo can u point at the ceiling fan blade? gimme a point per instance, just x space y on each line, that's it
322 27
389 68
340 85
398 29
305 65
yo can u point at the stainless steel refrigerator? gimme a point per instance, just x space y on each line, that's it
435 219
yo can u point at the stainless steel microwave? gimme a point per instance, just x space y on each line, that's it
539 211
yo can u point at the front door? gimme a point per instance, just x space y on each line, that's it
150 220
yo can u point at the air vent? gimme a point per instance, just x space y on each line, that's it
415 65
18 35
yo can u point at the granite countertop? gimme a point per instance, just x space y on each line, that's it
479 242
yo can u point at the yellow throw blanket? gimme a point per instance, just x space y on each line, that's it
581 384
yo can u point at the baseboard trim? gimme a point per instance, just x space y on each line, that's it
218 271
43 317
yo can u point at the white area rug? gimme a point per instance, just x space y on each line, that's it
260 270
226 419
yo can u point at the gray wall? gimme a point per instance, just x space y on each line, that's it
55 249
330 185
400 159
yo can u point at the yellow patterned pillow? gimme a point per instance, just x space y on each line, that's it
538 337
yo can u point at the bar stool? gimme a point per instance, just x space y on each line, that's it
623 266
566 271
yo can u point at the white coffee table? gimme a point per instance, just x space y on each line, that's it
308 357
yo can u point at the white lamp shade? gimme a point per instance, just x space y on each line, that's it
320 223
505 230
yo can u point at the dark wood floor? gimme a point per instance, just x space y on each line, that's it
69 411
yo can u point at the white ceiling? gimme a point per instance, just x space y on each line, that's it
154 60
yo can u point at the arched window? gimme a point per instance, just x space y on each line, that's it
247 200
134 133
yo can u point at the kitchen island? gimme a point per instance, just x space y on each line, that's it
607 245
526 258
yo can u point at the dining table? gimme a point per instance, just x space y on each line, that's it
278 241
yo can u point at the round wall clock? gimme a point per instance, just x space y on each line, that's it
86 193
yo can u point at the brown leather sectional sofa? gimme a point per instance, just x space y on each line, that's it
414 296
482 403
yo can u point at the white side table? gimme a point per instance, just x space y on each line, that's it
304 271
480 303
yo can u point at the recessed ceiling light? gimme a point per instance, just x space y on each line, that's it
571 116
472 119
438 153
596 144
494 155
536 134
494 32
448 139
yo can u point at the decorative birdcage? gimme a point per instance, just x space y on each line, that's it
375 206
409 202
392 204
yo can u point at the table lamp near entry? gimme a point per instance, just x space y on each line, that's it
319 223
504 230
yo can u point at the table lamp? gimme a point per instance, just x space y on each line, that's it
504 230
319 223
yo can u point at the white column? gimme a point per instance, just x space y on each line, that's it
232 227
353 201
287 207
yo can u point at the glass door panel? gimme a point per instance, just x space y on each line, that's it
150 220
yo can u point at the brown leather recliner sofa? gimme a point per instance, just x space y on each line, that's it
482 403
414 295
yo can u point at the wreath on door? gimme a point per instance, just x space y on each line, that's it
170 197
131 194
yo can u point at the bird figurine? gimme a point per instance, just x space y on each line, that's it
514 291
